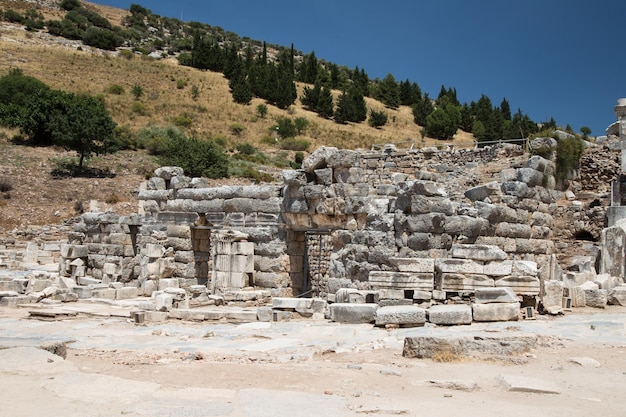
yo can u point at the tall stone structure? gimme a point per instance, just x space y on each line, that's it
614 236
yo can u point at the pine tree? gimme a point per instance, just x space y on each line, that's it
325 107
422 109
389 92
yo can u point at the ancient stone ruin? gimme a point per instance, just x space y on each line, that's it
389 236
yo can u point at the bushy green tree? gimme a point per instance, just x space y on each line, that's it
422 109
443 122
198 158
325 105
17 88
350 107
102 38
389 92
377 118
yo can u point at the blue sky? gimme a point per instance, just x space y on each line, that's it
552 58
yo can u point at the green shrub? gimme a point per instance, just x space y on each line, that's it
293 144
139 108
198 158
377 119
156 139
14 17
236 129
268 140
115 89
261 110
126 54
183 120
180 84
568 153
246 149
220 141
300 123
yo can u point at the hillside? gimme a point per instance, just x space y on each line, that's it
39 197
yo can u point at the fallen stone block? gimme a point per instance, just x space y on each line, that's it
353 313
617 296
455 282
126 293
522 285
496 295
291 303
155 316
104 293
241 315
82 292
528 384
404 316
460 346
450 314
596 298
496 311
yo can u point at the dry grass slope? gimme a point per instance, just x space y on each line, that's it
71 66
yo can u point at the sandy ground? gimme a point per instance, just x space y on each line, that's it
305 368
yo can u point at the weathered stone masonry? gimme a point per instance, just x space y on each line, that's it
346 220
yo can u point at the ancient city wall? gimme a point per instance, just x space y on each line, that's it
345 220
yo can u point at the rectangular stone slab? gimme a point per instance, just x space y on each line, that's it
401 280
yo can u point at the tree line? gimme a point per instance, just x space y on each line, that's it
253 73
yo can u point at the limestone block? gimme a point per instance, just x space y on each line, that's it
401 280
450 314
515 188
154 250
168 172
522 285
155 316
74 251
264 314
524 268
403 315
271 279
426 265
478 252
148 287
530 176
353 313
242 248
165 283
126 293
497 295
552 297
105 293
179 244
534 246
421 205
498 268
291 303
110 268
453 282
596 298
425 223
82 292
577 294
164 302
481 192
496 311
390 294
155 195
617 296
465 225
458 266
513 230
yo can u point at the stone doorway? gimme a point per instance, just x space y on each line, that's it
318 247
201 246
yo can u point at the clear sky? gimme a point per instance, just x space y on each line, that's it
552 58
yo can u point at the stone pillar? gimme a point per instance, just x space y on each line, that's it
620 112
